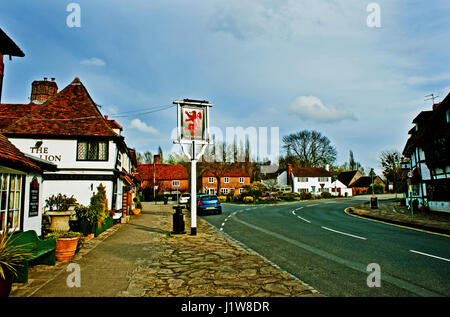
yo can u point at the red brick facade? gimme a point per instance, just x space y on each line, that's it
232 179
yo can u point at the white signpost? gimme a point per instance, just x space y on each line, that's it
193 130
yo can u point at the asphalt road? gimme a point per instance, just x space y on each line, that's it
338 254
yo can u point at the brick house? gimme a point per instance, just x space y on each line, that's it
224 181
359 183
169 178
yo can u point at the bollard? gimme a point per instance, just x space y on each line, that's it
373 202
178 220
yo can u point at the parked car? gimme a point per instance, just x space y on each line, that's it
184 198
207 204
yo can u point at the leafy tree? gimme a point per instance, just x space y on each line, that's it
160 153
148 157
390 161
310 148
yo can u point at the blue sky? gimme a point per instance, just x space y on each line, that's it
291 64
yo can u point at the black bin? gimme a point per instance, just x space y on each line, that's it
373 202
178 220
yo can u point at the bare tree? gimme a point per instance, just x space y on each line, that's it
310 148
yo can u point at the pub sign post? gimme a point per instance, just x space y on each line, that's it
193 131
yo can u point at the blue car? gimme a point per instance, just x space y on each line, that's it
208 204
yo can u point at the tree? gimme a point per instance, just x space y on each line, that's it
310 148
390 161
160 153
148 157
139 157
353 165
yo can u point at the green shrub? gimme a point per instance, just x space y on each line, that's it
59 202
305 196
326 195
248 199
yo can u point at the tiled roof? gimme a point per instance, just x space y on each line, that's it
10 113
71 112
346 177
310 172
228 172
12 157
162 172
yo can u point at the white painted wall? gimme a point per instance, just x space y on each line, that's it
312 182
337 184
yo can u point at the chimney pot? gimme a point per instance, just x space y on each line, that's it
53 78
106 117
156 159
45 78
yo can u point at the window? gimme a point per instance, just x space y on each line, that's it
10 200
302 179
303 190
226 179
447 115
323 179
224 191
175 183
241 179
210 179
241 190
92 151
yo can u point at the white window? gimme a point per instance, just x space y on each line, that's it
10 200
224 191
241 179
226 179
323 179
210 179
302 179
175 183
241 190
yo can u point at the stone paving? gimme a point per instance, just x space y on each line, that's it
142 259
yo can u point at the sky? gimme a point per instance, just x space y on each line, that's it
329 66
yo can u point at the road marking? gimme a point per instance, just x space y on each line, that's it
299 208
360 267
304 219
347 234
311 205
430 255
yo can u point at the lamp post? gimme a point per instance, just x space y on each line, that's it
193 130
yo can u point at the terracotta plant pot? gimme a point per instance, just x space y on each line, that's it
65 248
136 211
5 285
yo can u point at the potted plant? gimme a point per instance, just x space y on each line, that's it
137 206
11 257
66 244
60 208
86 218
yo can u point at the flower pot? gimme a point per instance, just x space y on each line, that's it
136 211
5 284
59 220
65 248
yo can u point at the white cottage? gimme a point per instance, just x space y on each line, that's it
306 180
67 129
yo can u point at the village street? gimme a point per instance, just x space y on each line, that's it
330 250
142 259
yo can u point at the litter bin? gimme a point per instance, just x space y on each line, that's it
373 202
178 220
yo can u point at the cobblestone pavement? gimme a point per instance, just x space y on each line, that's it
142 259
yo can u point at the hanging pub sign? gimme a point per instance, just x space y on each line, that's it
193 123
34 198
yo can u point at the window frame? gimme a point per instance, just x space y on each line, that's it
226 180
97 142
243 180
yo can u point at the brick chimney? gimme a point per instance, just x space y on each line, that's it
42 90
156 159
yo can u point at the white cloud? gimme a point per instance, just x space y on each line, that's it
312 108
94 61
142 126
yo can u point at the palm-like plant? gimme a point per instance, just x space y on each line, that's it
11 256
